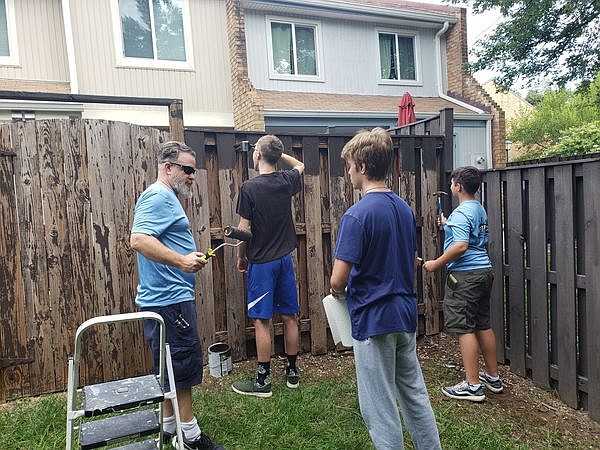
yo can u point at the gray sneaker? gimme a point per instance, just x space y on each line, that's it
252 387
293 378
463 391
496 386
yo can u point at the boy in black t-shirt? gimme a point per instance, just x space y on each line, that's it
264 206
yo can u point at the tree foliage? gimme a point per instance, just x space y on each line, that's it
564 122
556 39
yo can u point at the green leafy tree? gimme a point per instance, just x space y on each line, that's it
553 39
559 122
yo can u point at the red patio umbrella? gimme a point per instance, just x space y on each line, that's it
406 110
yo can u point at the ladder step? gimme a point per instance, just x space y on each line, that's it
123 394
99 433
150 444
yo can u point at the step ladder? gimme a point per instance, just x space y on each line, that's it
135 404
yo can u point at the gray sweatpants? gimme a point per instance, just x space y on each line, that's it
389 375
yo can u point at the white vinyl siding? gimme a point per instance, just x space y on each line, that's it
152 33
293 50
206 90
348 55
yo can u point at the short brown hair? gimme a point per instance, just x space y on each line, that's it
468 177
270 147
169 151
373 149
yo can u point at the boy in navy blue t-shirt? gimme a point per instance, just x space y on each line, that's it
374 268
469 282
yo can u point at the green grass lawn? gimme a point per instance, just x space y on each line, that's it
322 414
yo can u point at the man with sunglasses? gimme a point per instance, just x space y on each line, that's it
167 262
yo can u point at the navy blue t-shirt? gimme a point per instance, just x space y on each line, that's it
377 236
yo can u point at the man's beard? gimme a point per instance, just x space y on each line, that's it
183 189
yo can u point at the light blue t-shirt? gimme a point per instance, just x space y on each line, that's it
158 213
468 223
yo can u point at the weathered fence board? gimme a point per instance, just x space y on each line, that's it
591 177
565 283
538 288
76 183
516 290
551 211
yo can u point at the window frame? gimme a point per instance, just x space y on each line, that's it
145 63
318 59
416 52
11 29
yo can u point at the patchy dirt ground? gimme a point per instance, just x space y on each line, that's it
532 410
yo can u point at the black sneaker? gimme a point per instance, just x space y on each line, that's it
464 391
293 378
496 386
203 443
168 437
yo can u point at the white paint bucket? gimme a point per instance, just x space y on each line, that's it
219 360
338 317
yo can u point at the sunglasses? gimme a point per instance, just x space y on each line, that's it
188 170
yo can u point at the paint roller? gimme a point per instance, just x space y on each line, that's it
233 233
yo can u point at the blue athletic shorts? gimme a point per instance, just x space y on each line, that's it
272 288
183 339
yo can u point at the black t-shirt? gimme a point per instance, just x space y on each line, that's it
265 201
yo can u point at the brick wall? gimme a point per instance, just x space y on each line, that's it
248 110
462 85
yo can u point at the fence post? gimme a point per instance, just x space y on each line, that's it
176 120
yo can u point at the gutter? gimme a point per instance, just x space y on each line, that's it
345 6
68 26
438 53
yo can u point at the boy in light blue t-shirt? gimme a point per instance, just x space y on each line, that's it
468 287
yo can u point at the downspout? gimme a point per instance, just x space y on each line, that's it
66 8
438 53
441 94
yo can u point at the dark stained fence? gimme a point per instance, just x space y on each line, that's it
66 205
544 244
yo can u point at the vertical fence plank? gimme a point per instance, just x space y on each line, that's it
591 177
516 282
33 252
538 314
314 245
104 242
79 236
124 196
494 207
565 285
336 185
13 343
230 182
432 292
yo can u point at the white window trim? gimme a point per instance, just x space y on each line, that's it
416 50
11 26
292 21
144 63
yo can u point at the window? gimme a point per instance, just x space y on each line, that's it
294 51
154 32
8 48
397 57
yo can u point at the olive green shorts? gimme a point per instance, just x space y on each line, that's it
467 300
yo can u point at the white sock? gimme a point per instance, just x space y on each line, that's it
475 386
191 430
169 424
491 377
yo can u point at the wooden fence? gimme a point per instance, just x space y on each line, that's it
544 245
68 190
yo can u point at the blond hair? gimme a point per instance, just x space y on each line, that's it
373 149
